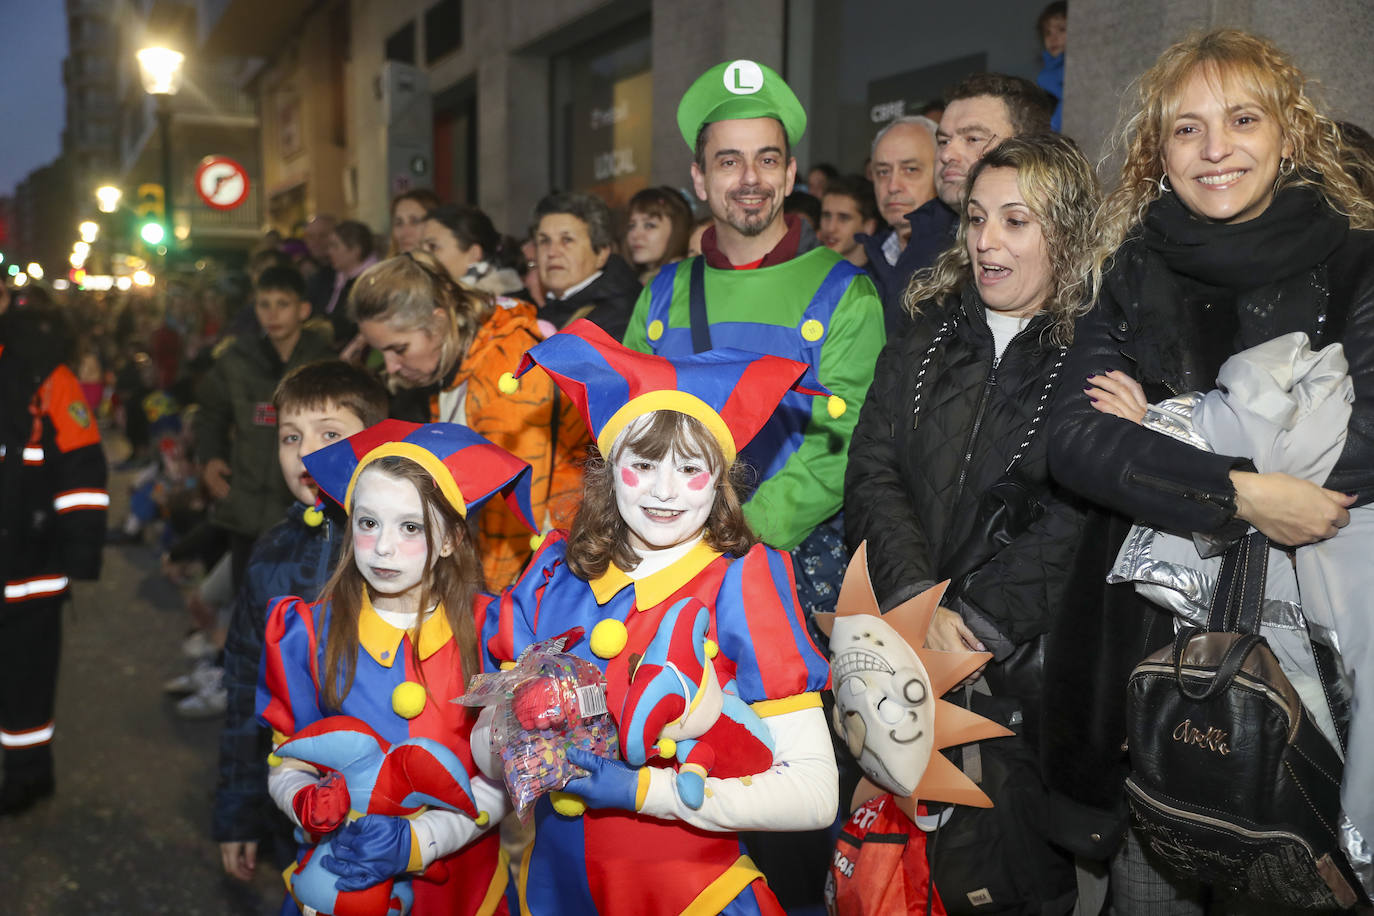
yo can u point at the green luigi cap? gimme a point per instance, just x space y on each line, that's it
735 90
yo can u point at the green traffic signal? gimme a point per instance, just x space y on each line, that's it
152 233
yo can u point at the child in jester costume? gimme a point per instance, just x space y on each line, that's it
391 643
662 572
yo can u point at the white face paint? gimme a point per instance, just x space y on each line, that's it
389 543
665 502
884 708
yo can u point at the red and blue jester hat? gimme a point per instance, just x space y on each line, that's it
467 468
732 392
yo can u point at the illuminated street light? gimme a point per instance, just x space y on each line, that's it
34 270
77 260
123 284
143 278
90 231
21 279
152 233
160 69
107 198
81 248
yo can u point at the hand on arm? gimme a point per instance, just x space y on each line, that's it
1289 510
949 633
1118 394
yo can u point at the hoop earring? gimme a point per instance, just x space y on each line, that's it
1286 167
1164 187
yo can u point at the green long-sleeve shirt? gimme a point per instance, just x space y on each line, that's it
777 310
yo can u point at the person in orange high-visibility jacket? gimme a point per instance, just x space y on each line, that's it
53 503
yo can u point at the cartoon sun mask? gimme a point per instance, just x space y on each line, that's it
887 693
884 709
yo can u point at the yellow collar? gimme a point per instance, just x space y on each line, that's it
655 588
382 641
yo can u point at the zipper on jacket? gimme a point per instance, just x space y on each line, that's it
322 565
988 384
1176 489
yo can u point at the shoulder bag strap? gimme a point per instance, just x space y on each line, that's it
1238 596
701 330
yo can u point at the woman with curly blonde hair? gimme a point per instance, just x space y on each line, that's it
1239 218
952 434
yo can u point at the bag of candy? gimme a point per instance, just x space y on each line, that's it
550 700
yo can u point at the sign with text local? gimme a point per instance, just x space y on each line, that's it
221 182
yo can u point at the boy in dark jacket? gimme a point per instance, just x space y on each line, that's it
236 426
315 405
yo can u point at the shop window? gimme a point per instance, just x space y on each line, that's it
400 44
602 134
443 29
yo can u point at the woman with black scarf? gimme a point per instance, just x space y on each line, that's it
1239 218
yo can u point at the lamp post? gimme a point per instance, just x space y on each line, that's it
160 69
107 198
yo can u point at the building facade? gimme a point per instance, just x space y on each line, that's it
496 103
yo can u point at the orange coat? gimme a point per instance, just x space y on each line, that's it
523 424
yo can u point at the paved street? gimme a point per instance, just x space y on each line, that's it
128 830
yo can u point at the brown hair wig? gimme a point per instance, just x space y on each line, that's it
600 535
452 584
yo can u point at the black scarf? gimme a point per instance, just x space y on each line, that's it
1274 254
1297 231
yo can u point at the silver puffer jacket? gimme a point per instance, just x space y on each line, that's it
1287 408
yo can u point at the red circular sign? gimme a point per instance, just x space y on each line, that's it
221 182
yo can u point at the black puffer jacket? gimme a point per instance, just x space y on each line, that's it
1171 330
913 493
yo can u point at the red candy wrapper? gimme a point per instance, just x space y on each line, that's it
549 701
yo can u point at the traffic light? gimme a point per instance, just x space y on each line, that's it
151 210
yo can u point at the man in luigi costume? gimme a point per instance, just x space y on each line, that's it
764 283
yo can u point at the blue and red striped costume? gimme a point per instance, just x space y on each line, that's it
471 881
618 863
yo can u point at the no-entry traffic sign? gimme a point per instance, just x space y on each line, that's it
221 182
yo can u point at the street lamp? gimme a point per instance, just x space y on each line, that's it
89 230
107 198
160 69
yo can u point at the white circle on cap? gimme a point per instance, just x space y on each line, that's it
743 77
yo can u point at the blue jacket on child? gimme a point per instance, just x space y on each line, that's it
291 558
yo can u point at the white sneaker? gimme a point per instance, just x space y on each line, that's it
207 702
198 645
195 680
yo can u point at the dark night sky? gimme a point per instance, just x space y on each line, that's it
31 94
